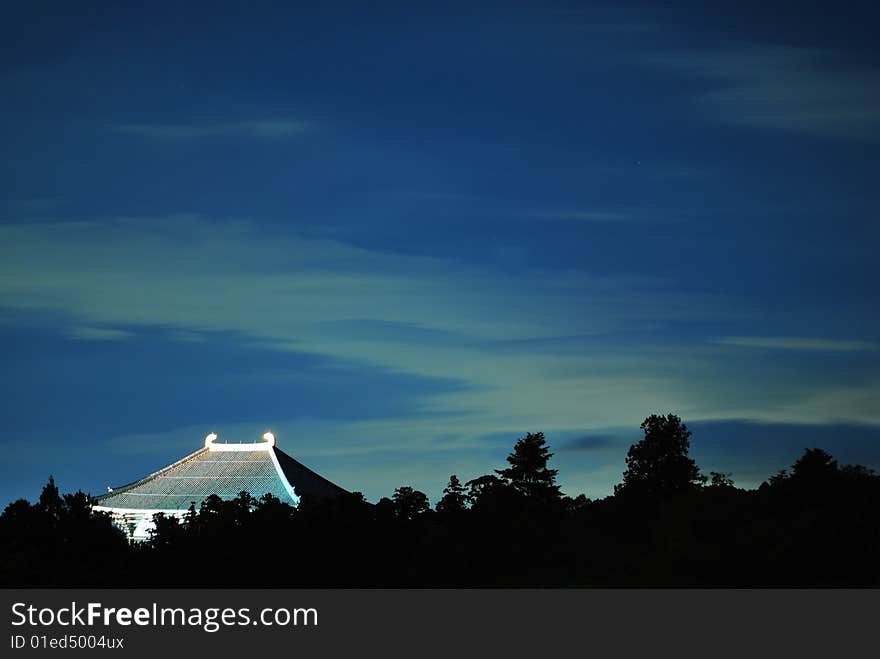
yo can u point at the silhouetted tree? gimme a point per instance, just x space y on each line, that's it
814 465
528 473
50 502
191 518
483 487
857 472
242 506
385 511
22 529
659 464
777 479
167 531
720 480
409 503
454 498
77 506
211 506
576 504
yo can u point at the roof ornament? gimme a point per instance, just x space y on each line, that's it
267 444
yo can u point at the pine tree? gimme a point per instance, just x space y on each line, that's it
50 501
454 497
528 473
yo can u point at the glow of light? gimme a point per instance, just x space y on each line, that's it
259 446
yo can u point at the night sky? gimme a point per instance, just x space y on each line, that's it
403 236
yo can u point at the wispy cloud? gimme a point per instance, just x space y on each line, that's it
99 334
419 315
269 129
423 316
796 343
782 88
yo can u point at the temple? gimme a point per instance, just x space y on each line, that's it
217 468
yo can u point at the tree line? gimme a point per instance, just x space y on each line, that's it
666 524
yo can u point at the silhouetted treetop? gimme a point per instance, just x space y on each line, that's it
454 498
659 464
815 465
50 501
410 503
483 487
719 479
528 473
814 469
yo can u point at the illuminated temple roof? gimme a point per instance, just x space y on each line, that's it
224 470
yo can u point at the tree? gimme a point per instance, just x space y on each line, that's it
778 479
270 511
454 497
190 521
212 506
242 506
50 502
528 473
659 464
720 480
577 504
815 465
410 503
857 472
20 526
483 488
814 469
167 531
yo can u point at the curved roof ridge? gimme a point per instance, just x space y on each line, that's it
155 474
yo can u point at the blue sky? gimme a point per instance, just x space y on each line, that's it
403 236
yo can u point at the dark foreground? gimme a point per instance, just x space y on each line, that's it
817 524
